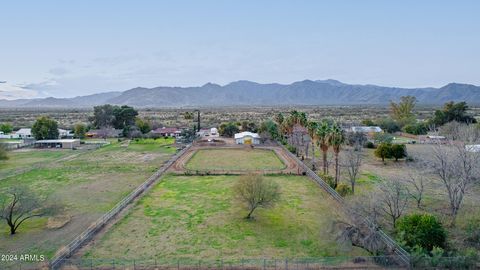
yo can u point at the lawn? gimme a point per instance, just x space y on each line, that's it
235 159
197 217
86 185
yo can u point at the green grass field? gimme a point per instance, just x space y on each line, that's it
235 159
197 217
87 185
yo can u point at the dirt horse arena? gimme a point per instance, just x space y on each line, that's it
289 165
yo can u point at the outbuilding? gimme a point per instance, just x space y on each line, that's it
247 137
60 143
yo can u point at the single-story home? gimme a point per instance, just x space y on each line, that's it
247 137
167 131
24 133
60 143
366 129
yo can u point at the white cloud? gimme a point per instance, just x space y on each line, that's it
10 91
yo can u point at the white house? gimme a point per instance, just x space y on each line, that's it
24 133
366 129
247 137
63 133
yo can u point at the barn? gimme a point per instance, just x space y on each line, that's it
61 143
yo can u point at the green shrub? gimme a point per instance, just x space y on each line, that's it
473 230
291 148
383 151
330 180
423 230
370 145
343 189
398 151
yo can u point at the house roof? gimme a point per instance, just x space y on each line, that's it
366 129
245 134
166 130
58 141
26 131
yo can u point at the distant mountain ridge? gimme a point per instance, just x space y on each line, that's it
247 93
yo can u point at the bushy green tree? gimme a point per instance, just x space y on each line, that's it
453 112
79 131
343 189
368 122
398 151
423 230
103 116
383 151
228 129
270 129
143 125
45 128
402 112
388 125
124 116
419 128
6 128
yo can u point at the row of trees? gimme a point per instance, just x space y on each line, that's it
403 118
297 132
230 128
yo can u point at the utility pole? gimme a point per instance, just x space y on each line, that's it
198 119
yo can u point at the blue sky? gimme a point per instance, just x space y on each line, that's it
70 48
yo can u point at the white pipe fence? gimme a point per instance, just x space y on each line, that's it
402 255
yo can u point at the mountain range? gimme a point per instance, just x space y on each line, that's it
247 93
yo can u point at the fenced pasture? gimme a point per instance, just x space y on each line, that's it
198 217
225 159
85 185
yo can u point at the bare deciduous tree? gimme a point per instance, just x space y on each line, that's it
393 199
18 206
416 181
255 191
352 162
361 229
458 170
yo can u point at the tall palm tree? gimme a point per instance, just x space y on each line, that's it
322 134
336 138
312 132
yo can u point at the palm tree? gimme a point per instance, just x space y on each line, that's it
312 132
322 134
336 138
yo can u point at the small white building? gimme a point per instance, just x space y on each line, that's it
63 133
247 137
214 132
24 133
